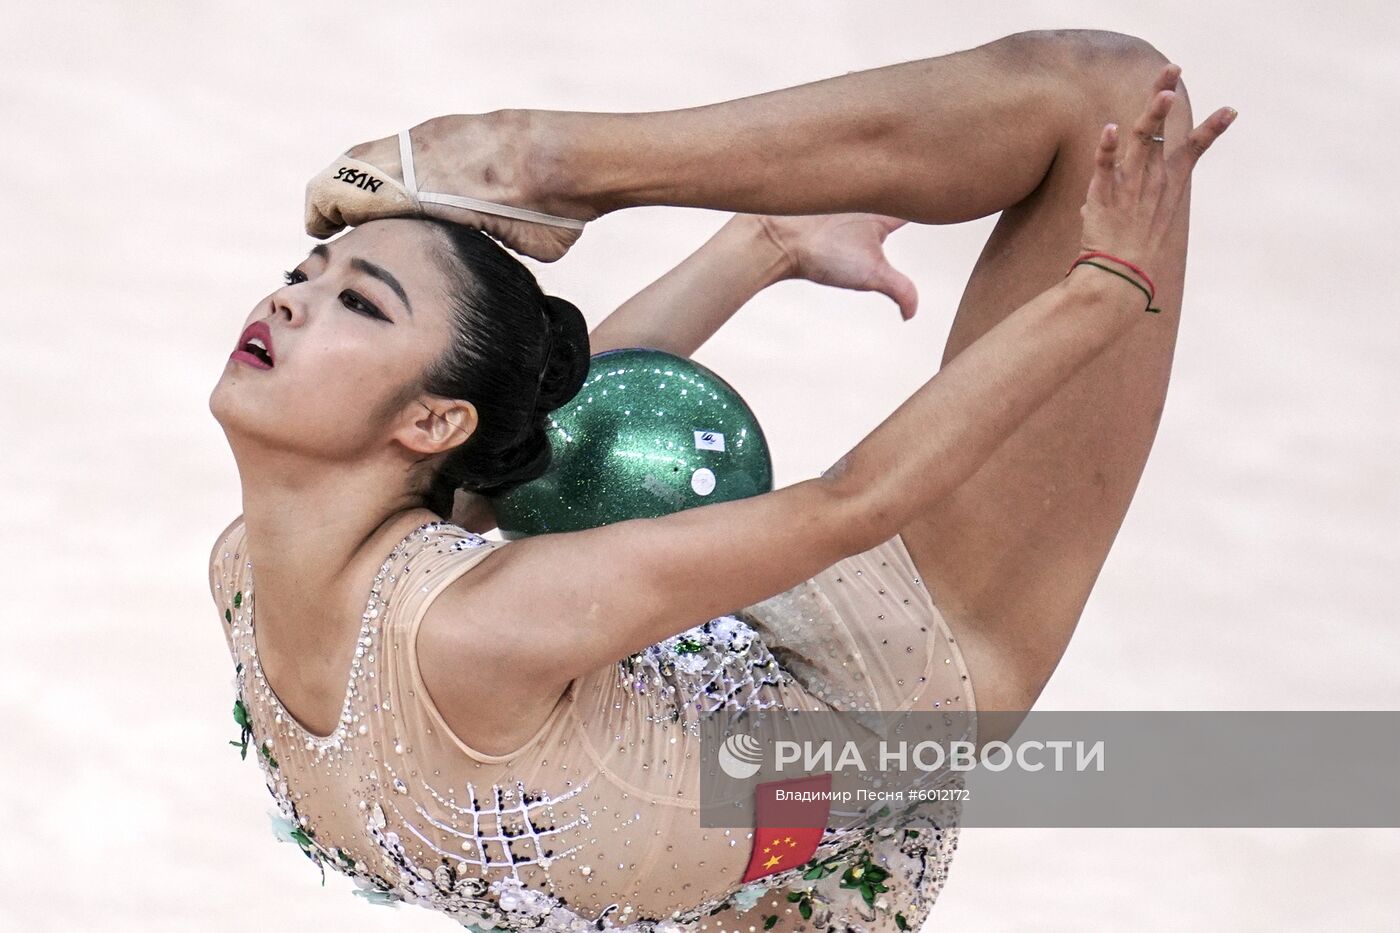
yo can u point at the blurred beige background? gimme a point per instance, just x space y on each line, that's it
153 162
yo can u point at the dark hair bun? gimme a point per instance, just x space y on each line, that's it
569 356
501 359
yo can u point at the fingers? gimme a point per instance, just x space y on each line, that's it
1166 81
1200 139
1154 143
888 225
889 281
1105 164
1146 149
1152 122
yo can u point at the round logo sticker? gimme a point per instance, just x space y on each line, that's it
702 481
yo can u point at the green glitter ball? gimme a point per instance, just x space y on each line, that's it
650 433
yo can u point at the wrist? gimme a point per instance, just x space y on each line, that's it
1091 283
761 241
1120 266
772 244
1123 269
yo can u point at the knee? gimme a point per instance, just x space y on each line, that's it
1110 70
1093 58
1088 47
1128 66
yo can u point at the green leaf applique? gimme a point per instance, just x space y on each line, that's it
240 716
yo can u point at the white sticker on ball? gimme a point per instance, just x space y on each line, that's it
702 481
709 440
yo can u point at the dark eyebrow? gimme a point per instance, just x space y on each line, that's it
382 274
370 269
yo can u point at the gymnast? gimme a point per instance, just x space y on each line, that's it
505 731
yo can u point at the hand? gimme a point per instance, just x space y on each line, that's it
844 251
1132 200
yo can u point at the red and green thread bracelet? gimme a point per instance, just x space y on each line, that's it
1121 261
1085 260
1134 282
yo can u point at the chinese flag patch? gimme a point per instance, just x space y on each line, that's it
787 830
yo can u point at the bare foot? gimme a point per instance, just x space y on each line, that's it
483 156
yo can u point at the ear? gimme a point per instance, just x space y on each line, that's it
434 425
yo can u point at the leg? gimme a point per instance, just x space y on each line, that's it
940 140
1012 555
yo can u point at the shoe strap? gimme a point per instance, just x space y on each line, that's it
410 181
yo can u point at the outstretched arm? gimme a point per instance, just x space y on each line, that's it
685 307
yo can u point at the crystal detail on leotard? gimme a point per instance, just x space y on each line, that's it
367 640
439 844
720 664
796 622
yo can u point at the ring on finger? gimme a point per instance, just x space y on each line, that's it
1146 138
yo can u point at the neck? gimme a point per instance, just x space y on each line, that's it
313 530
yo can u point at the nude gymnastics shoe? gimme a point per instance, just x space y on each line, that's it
349 192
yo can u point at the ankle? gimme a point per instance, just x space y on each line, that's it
547 171
571 164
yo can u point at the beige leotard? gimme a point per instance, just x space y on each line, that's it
593 822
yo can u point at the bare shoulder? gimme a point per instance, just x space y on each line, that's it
221 576
216 553
219 571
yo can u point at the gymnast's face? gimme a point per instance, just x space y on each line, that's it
330 364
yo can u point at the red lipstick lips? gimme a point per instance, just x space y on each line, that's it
255 346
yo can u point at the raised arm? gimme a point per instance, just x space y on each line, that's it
685 307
